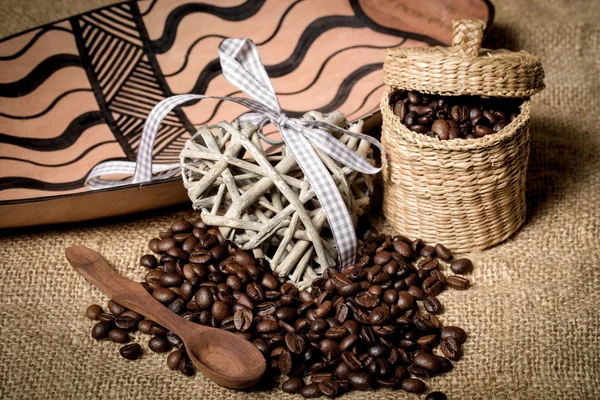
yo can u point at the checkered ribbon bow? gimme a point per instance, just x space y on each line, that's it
243 68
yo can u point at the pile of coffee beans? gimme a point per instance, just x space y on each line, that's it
453 117
359 329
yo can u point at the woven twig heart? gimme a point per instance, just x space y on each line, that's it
263 201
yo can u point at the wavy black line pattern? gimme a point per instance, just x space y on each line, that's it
17 182
88 150
237 13
310 34
33 40
267 40
342 93
339 99
347 85
152 4
322 67
189 50
362 104
64 140
49 108
39 74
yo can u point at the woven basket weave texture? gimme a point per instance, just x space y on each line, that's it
465 193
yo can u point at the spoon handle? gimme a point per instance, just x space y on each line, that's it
94 268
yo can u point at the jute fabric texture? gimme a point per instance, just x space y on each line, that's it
532 313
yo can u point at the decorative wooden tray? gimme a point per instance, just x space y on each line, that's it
76 92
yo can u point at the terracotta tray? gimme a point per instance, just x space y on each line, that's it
76 92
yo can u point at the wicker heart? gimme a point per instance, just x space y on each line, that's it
257 198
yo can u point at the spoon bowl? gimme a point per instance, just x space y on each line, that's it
222 356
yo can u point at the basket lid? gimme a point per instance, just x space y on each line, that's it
465 68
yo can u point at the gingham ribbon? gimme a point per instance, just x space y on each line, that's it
242 66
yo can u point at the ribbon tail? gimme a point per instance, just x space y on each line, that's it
95 181
327 192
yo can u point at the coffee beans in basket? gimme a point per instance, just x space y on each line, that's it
453 117
374 325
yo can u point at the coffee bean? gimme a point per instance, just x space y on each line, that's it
457 282
270 282
266 308
255 292
181 226
109 319
200 256
451 348
153 245
436 396
405 300
441 128
442 252
366 300
116 308
126 323
416 292
432 305
171 279
148 261
400 110
454 332
93 312
348 342
427 361
461 266
295 343
428 251
159 344
352 361
242 320
380 315
145 326
285 363
428 264
403 248
427 340
431 286
328 346
165 244
177 253
292 385
131 351
174 358
310 391
119 335
360 381
100 331
324 309
204 298
163 295
220 310
413 385
350 289
158 330
482 130
382 258
267 326
329 388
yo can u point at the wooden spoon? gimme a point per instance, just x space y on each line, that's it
221 356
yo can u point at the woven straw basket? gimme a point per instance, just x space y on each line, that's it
465 193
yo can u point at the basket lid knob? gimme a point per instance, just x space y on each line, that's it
467 35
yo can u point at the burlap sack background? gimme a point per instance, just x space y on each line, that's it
532 314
